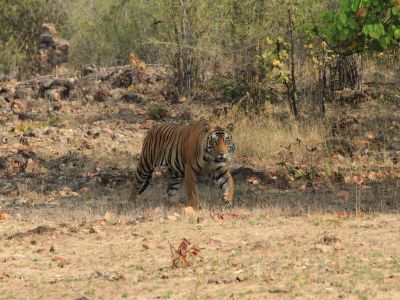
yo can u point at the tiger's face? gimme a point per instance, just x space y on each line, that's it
219 145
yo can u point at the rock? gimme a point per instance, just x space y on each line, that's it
23 92
148 124
132 98
256 176
53 50
127 115
24 140
214 280
89 69
18 107
32 132
101 95
62 86
330 239
125 77
341 146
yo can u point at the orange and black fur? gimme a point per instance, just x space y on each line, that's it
188 151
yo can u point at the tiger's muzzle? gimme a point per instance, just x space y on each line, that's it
220 159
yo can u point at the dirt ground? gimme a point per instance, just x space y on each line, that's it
242 254
299 228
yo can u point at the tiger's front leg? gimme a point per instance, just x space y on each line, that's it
191 186
225 181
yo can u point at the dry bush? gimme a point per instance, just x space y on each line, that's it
267 136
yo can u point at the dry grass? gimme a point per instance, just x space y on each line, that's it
263 138
246 255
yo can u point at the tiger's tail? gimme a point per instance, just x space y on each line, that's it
142 178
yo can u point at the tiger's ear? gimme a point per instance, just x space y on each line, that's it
230 126
205 128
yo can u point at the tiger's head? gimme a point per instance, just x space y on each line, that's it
218 143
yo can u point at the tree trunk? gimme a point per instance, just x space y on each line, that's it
292 84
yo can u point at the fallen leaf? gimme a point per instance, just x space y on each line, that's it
62 193
189 211
4 216
253 181
94 229
147 214
107 216
180 257
225 217
342 214
372 176
172 218
370 135
60 260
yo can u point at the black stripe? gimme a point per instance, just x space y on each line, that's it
196 156
222 174
178 154
221 185
194 170
198 165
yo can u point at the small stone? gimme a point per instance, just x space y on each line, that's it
214 279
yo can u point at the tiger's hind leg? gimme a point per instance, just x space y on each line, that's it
173 183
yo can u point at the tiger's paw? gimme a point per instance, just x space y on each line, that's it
228 204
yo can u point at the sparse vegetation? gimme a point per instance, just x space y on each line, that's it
158 112
313 90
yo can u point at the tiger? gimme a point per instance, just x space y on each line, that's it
199 148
